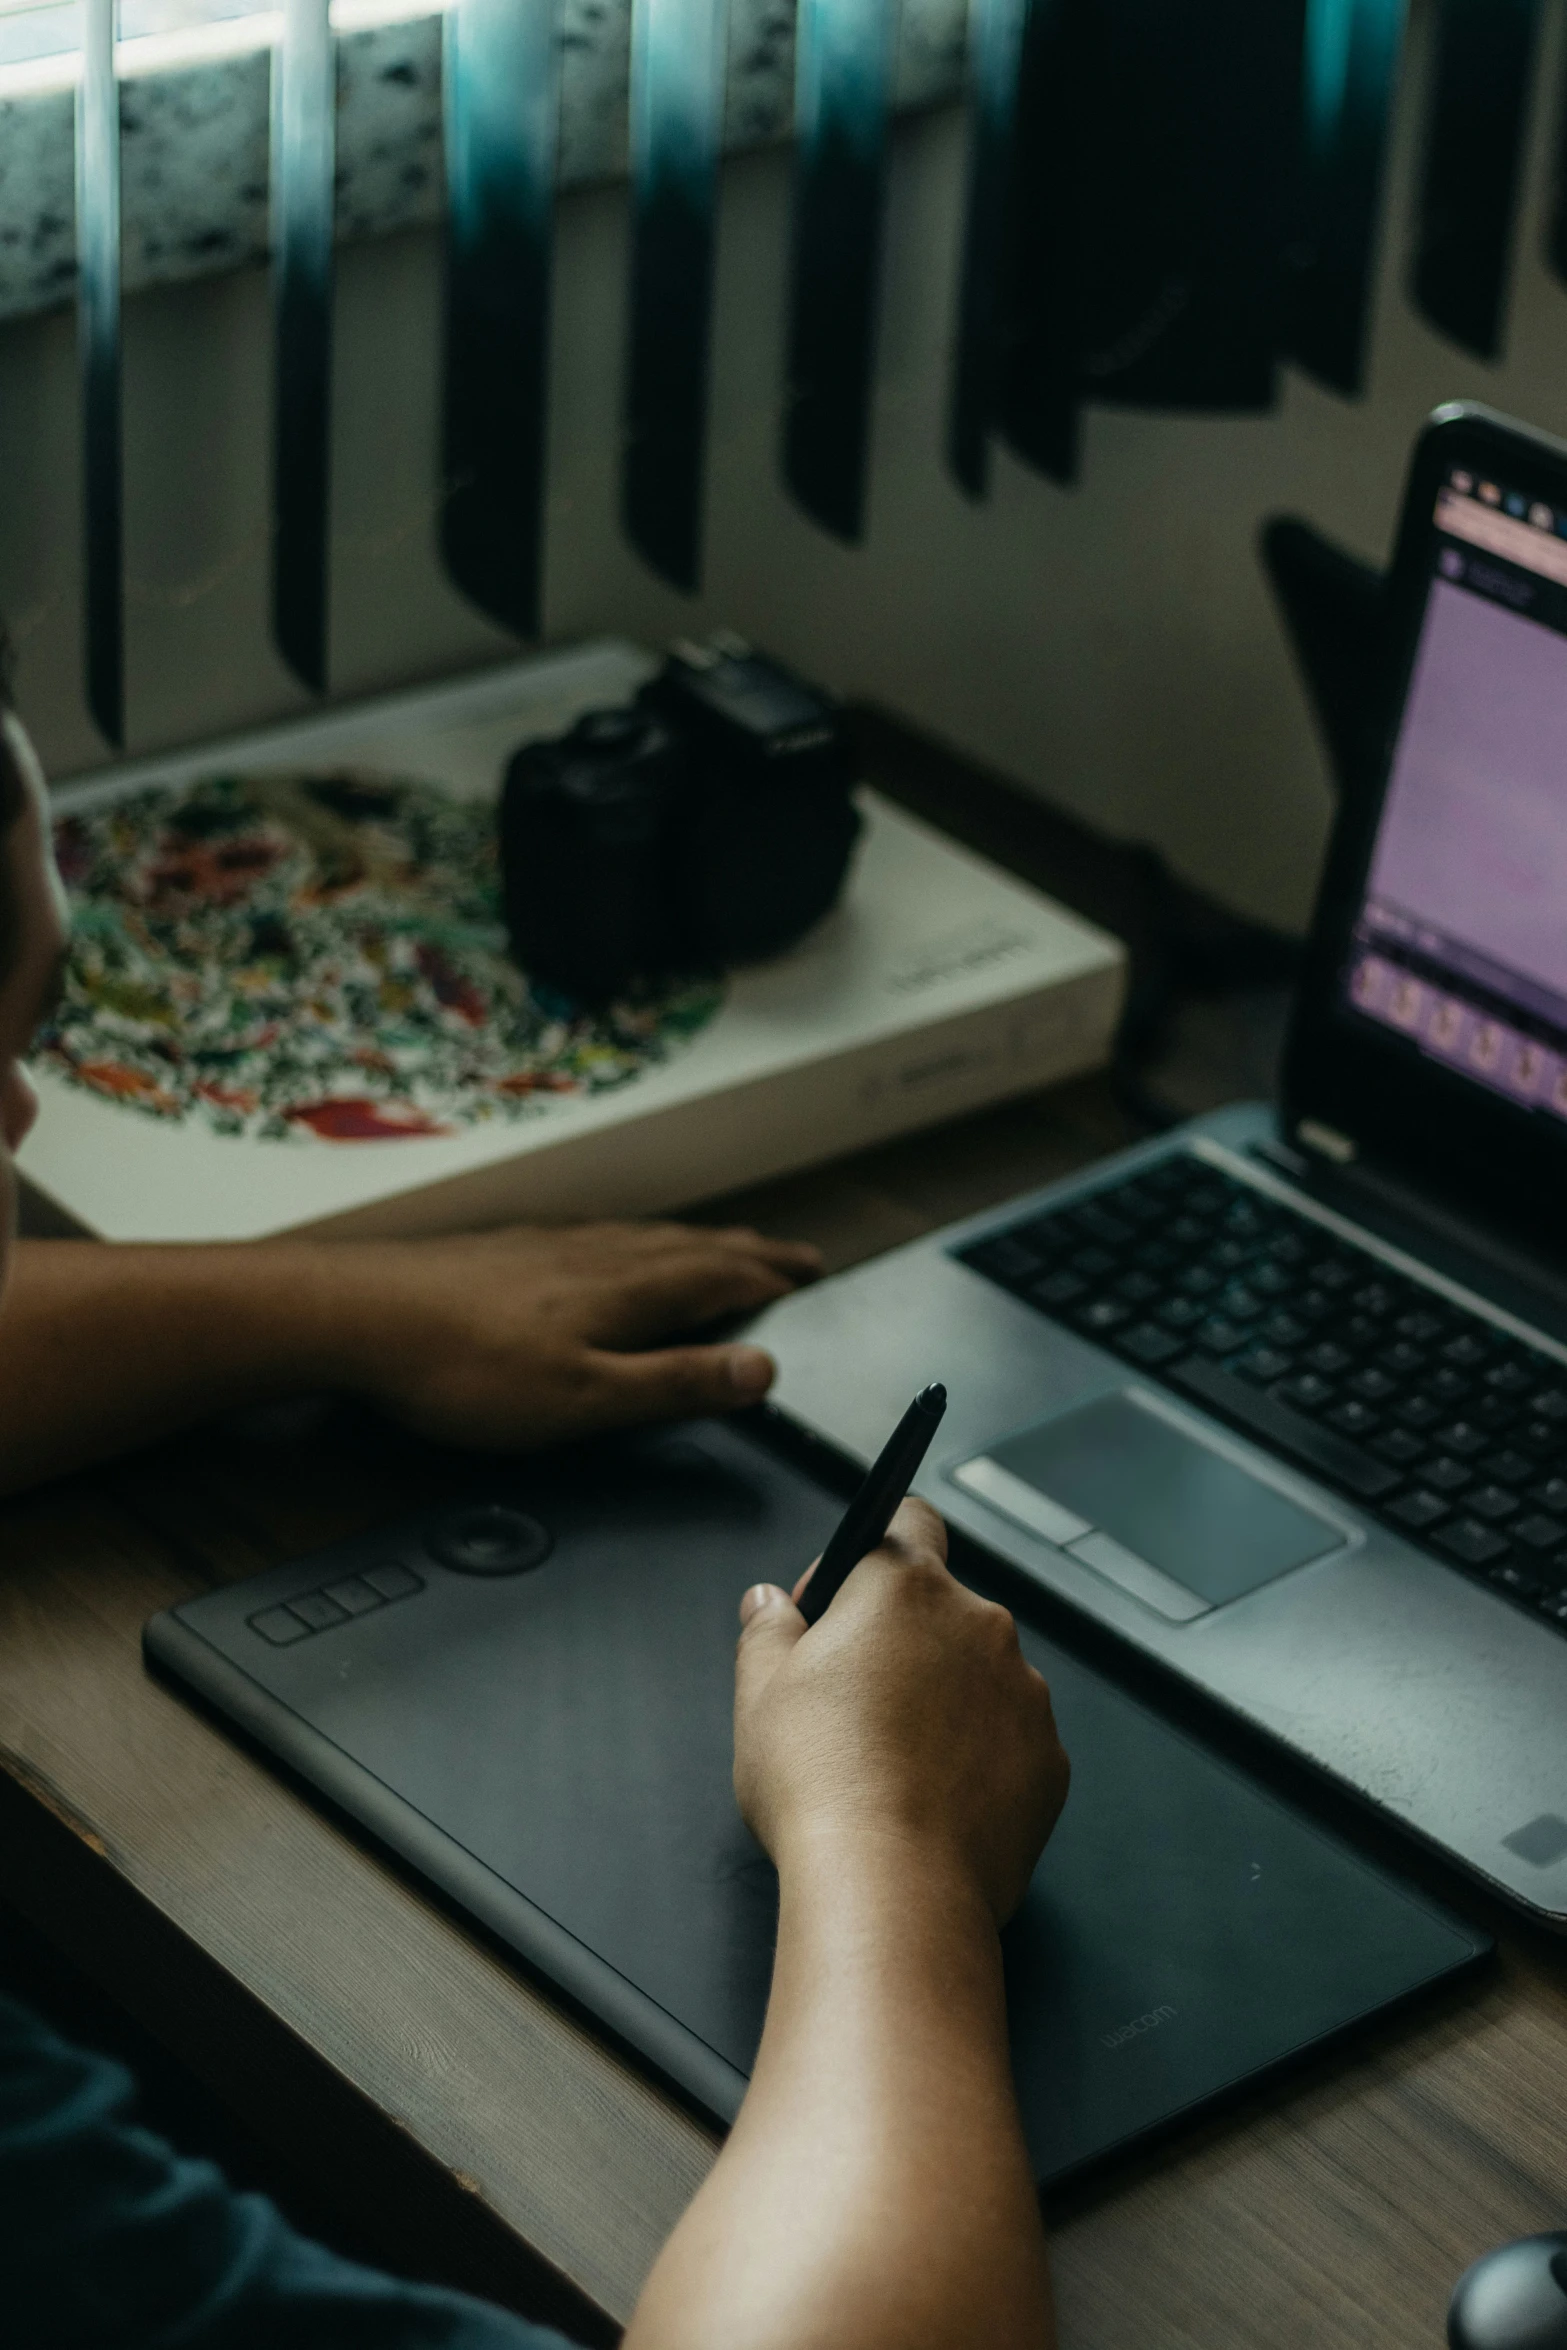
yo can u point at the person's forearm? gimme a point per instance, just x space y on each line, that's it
875 2192
105 1348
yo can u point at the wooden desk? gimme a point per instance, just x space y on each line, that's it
463 2123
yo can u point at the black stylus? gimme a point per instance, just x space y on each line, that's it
869 1514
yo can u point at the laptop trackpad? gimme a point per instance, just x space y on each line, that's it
1129 1488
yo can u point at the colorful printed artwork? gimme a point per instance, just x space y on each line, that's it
321 956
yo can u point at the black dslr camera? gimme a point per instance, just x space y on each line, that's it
707 823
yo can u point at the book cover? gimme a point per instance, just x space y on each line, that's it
290 1004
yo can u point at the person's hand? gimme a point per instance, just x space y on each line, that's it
521 1337
908 1711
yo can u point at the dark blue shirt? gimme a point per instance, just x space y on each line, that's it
109 2240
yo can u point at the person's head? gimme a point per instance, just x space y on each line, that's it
32 937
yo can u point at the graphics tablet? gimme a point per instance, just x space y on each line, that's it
526 1697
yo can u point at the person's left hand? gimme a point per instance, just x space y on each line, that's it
517 1338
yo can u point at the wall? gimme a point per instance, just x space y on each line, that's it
1111 645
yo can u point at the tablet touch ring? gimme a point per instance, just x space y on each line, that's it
488 1538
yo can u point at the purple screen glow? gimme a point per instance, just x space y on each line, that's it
1473 840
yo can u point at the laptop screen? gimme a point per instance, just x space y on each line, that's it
1460 943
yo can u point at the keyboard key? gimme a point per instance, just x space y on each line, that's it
1270 1280
1240 1303
1101 1224
1247 1216
1492 1502
1552 1495
1283 1330
1447 1386
1101 1315
1220 1337
1360 1330
1399 1447
320 1613
1550 1404
1461 1437
1329 1359
1496 1412
1308 1393
1514 1579
1149 1344
1004 1259
1138 1288
1509 1468
1446 1474
1229 1256
1288 1249
1182 1313
1332 1273
1422 1327
1375 1298
1198 1281
1059 1289
1508 1379
1418 1411
1468 1351
1157 1256
1471 1543
1262 1365
1418 1509
1554 1605
1402 1359
1373 1386
1538 1436
1091 1263
1539 1531
1354 1419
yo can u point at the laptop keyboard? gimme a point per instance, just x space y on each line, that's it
1427 1416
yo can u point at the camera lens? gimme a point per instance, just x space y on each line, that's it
488 1538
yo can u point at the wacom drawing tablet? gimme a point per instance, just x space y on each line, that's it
528 1699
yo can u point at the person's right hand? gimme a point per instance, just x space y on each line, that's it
908 1711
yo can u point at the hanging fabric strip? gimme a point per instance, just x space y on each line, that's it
1476 113
995 55
677 102
1036 307
1353 48
500 197
842 63
304 118
1185 139
98 345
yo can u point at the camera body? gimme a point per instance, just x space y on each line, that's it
705 824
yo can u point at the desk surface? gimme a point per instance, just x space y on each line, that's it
466 2124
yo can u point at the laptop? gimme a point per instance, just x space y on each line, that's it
1281 1397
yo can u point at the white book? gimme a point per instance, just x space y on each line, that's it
936 985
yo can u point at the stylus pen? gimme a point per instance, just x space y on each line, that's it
864 1523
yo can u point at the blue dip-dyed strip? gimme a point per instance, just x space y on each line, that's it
677 97
842 62
501 110
98 340
995 54
304 122
1353 54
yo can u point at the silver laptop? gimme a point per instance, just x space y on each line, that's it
1281 1398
